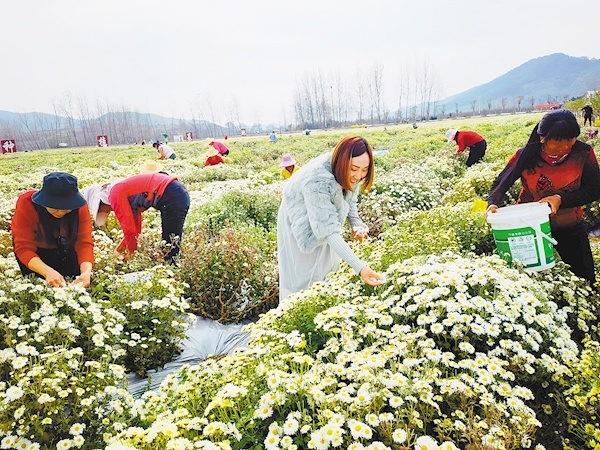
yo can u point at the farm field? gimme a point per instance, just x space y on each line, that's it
457 350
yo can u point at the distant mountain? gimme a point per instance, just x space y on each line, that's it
553 78
31 117
142 118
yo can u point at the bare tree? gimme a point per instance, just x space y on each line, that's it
361 95
32 129
424 83
403 85
519 101
234 115
66 110
56 127
375 90
85 120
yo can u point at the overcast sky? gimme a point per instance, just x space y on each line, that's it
165 56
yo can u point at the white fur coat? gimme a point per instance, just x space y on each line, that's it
316 204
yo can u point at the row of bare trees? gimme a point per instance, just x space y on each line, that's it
518 103
75 123
335 99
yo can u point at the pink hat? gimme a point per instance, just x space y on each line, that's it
287 160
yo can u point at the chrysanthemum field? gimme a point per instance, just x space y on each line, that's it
457 350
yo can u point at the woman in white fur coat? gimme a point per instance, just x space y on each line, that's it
316 203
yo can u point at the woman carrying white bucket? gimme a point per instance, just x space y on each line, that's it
558 169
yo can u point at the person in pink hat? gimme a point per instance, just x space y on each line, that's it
218 146
288 166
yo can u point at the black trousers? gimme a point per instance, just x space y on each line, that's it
587 119
574 249
173 206
476 152
64 262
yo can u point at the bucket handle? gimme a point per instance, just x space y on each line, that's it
544 235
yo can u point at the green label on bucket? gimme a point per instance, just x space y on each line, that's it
523 245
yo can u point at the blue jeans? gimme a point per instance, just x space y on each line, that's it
173 206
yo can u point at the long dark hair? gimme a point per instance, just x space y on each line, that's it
557 125
51 227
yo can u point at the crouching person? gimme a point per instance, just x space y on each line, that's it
52 232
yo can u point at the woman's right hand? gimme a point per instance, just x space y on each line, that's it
371 277
491 209
54 279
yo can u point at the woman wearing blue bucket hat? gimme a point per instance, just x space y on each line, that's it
558 169
52 232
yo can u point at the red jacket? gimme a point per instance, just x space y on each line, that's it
214 160
465 139
130 197
28 234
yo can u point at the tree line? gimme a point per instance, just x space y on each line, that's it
320 100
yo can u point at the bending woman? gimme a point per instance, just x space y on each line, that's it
312 212
130 197
556 168
52 232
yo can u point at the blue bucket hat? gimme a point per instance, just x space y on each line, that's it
59 191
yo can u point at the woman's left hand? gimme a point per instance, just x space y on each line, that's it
554 201
83 279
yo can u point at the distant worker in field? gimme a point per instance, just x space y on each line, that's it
273 137
213 157
588 111
219 146
288 166
475 142
164 151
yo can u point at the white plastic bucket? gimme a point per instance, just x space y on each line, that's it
522 233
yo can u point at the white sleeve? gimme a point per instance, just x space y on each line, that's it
353 217
341 247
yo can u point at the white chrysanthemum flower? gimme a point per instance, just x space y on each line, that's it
426 443
356 446
399 435
77 428
359 430
64 444
13 393
263 412
19 362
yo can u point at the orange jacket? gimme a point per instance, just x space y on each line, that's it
28 234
